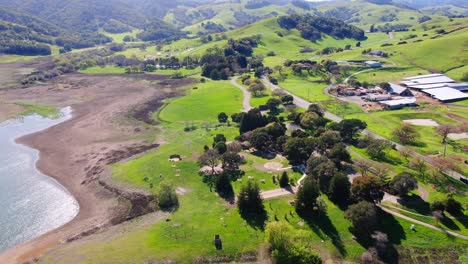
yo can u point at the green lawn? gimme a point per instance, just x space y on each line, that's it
389 74
204 103
305 88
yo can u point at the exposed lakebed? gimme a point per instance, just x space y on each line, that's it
31 203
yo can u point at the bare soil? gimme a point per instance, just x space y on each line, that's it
78 151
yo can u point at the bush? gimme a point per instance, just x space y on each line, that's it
284 180
167 196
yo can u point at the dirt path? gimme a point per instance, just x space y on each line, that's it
246 101
78 151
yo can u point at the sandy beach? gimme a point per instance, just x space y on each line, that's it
77 152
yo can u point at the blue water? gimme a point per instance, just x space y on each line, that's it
31 203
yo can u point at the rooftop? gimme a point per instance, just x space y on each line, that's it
429 80
405 101
446 94
423 76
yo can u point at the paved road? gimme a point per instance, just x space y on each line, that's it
246 101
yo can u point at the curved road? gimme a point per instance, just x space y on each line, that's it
305 104
246 102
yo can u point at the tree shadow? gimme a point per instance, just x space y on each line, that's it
256 221
449 223
416 203
462 218
322 225
269 155
227 194
390 226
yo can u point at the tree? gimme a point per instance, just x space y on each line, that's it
328 140
419 165
311 120
315 108
453 206
273 103
252 120
219 138
403 183
320 206
322 170
366 188
231 162
167 197
249 200
376 148
285 245
406 134
210 158
339 190
298 150
339 154
386 86
279 235
349 128
222 117
220 147
257 88
444 131
259 140
306 195
363 216
284 180
287 99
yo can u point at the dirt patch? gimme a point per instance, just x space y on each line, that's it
181 191
76 152
421 122
273 166
9 111
458 136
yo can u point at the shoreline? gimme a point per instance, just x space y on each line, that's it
77 153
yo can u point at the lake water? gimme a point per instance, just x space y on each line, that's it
31 203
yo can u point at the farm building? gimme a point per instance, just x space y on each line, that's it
396 89
427 80
378 53
446 94
423 76
399 103
378 97
459 86
373 64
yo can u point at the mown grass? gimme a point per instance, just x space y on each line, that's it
389 74
204 103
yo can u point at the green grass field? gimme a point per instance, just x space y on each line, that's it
305 87
42 110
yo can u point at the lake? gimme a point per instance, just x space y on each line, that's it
31 203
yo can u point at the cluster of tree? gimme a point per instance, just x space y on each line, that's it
341 13
312 27
226 155
26 48
289 246
160 31
301 4
393 27
255 4
235 56
115 26
211 27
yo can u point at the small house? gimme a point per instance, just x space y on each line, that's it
373 64
377 53
399 90
378 97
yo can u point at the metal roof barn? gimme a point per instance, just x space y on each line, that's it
446 94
